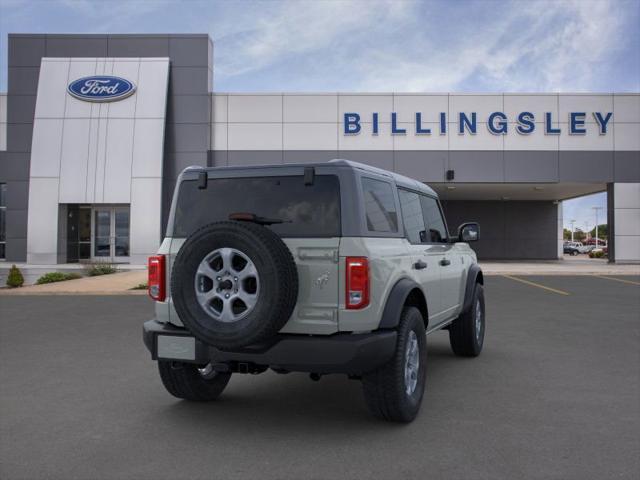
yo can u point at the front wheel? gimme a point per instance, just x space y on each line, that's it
466 333
394 391
191 382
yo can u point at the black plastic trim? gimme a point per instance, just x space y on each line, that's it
348 353
472 278
395 302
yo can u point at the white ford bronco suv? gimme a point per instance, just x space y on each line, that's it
333 267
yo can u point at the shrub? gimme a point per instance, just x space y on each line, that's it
100 269
52 277
140 286
596 254
15 278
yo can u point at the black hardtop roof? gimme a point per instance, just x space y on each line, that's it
400 180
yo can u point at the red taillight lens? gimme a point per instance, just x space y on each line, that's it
156 280
357 290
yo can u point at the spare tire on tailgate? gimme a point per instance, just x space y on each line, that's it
234 284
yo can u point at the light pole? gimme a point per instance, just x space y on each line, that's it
572 222
586 231
596 209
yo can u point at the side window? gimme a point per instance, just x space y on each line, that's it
412 216
380 207
437 232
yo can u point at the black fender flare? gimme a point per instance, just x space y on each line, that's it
474 275
395 301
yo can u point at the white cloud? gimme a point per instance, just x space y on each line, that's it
533 46
292 29
377 45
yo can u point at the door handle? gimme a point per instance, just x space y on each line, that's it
419 265
444 262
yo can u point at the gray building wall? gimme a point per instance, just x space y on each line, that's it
187 131
508 230
469 166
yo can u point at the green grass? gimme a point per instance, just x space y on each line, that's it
140 286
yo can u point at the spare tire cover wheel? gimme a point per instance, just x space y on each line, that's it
234 284
227 284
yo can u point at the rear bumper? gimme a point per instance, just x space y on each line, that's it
340 353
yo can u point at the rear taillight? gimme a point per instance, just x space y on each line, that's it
357 289
156 280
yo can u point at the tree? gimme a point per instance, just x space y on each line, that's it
566 234
578 235
603 231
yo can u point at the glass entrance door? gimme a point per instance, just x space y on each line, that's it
78 232
111 234
120 234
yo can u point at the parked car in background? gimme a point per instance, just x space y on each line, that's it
582 248
578 247
571 249
592 241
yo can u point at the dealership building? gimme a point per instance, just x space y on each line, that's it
95 129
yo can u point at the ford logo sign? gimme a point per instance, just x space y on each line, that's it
101 88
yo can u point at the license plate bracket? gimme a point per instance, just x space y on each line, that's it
176 347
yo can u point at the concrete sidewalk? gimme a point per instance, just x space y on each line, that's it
568 266
113 284
122 283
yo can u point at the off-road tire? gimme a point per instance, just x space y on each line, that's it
462 332
278 284
384 389
183 380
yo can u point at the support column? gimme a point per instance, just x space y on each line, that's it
623 205
560 236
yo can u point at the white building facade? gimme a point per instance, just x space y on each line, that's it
91 178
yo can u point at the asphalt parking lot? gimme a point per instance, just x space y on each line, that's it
555 394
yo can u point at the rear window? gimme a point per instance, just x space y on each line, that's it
307 210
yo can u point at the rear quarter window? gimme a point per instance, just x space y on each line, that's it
380 206
306 210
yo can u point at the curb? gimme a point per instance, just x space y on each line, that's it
17 293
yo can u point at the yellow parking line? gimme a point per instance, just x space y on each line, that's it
618 279
534 284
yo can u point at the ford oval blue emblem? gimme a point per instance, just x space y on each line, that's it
101 88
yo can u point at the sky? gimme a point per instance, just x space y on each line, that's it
581 210
377 45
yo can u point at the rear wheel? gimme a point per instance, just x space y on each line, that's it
394 391
191 382
466 333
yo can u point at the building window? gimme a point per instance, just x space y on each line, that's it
3 216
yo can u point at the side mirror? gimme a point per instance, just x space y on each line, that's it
469 232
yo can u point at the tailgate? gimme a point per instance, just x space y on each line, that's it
316 311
